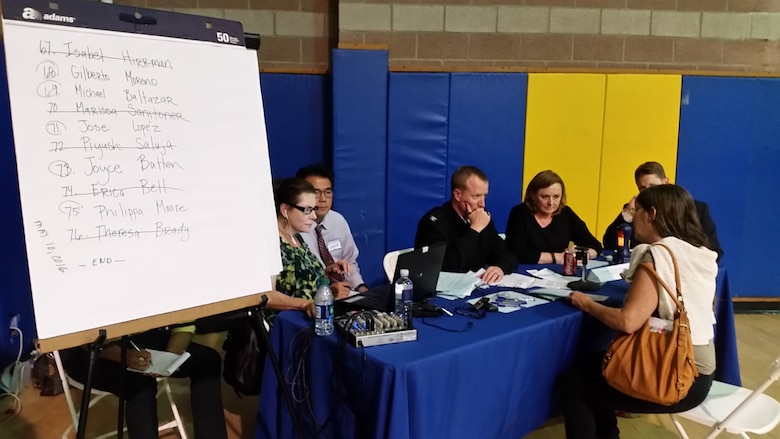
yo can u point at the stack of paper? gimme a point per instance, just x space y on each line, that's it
457 285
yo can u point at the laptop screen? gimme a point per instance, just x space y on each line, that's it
424 265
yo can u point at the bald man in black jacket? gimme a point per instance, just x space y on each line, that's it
467 228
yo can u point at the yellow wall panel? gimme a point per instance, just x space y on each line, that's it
564 118
641 121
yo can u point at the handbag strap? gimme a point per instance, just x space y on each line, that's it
678 288
649 268
678 285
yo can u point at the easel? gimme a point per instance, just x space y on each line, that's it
170 48
257 316
259 322
94 349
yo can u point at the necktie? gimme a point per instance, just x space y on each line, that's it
326 256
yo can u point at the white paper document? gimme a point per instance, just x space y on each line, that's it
607 273
511 301
164 363
546 273
516 280
457 284
550 279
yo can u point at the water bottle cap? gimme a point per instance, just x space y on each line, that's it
404 272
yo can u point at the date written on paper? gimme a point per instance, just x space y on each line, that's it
51 249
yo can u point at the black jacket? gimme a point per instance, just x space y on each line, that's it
527 239
467 250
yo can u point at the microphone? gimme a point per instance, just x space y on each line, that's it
583 284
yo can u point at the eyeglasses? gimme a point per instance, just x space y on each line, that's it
327 192
305 210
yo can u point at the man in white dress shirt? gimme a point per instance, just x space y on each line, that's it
337 237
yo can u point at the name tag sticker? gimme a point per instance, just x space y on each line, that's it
334 244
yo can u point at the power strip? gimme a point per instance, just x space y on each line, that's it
385 329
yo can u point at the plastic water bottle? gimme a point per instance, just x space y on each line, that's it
323 310
403 297
623 253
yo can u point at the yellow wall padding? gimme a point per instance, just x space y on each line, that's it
641 121
564 120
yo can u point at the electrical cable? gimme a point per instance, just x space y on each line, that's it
296 378
297 381
471 312
361 390
16 381
339 387
468 326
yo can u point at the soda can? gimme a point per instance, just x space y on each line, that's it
569 263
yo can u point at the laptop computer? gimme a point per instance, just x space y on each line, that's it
424 265
381 298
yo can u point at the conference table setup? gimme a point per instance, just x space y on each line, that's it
464 377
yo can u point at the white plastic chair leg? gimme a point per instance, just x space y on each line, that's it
678 426
176 416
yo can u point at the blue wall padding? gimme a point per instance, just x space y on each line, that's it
759 272
297 114
487 130
728 157
15 295
360 151
716 119
417 123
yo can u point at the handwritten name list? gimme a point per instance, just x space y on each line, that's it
143 172
112 122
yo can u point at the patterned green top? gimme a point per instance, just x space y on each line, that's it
301 271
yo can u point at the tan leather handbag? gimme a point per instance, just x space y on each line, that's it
655 366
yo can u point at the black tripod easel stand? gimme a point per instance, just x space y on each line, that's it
94 349
258 319
120 415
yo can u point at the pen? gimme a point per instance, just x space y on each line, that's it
446 312
135 346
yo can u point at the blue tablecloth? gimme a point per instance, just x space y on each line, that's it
493 380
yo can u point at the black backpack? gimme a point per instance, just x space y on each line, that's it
244 358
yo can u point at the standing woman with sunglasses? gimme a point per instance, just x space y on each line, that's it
301 270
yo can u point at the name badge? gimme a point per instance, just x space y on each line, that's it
334 244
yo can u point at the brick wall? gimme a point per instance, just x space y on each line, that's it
295 35
707 35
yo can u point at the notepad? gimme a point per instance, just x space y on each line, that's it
607 274
164 363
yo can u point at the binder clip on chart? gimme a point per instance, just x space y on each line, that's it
583 284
